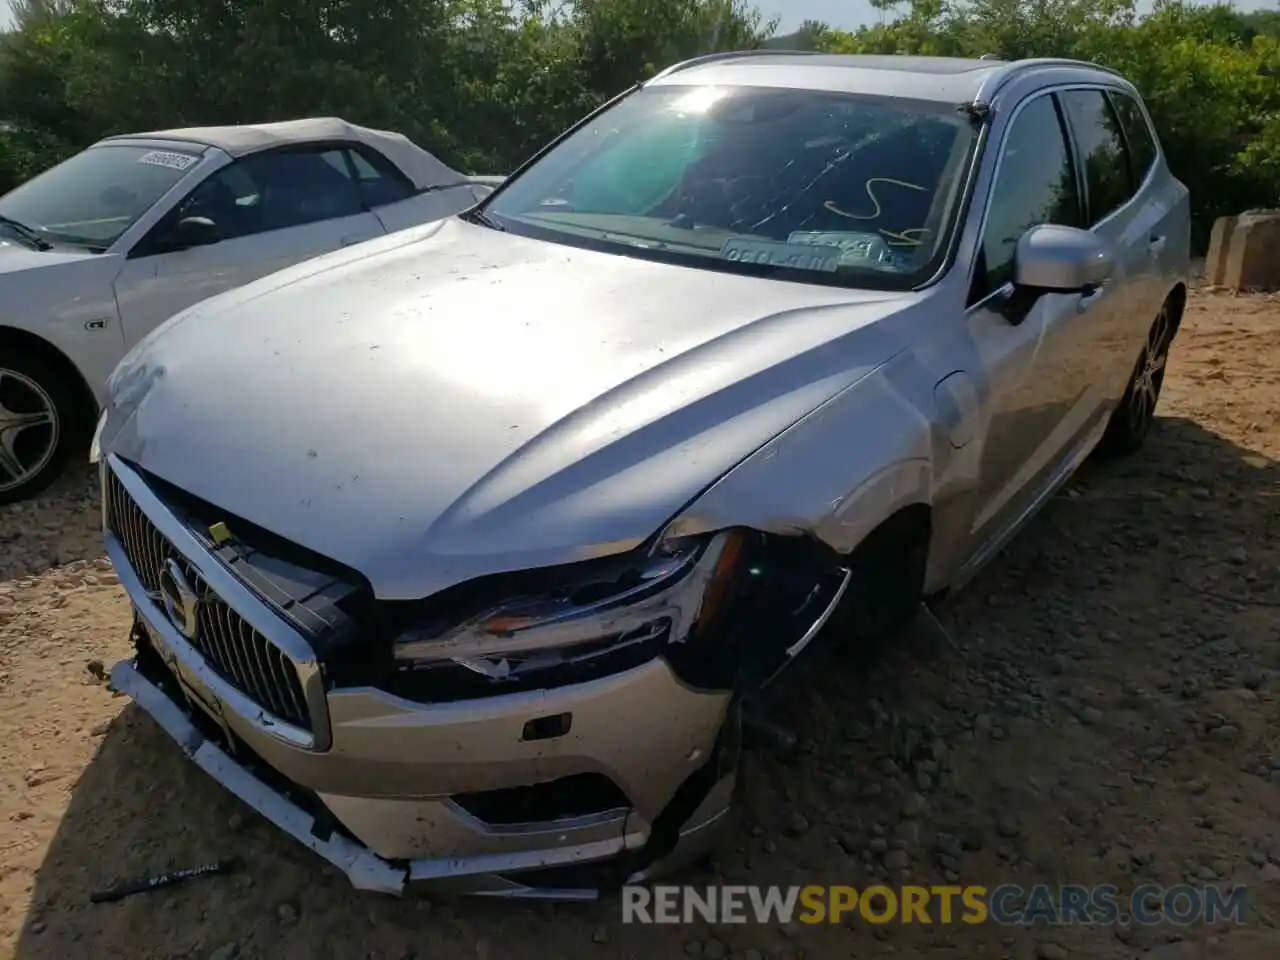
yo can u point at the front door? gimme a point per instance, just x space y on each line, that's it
1036 366
270 211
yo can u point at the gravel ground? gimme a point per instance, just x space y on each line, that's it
1103 710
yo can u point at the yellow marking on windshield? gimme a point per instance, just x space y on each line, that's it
909 238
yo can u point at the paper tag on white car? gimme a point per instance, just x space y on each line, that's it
166 158
776 253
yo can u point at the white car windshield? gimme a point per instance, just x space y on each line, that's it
93 197
808 185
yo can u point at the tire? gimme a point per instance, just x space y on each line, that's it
1134 416
39 429
887 584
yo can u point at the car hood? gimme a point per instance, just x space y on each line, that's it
16 257
462 401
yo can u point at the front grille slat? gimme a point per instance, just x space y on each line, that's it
213 647
243 667
253 657
269 678
295 698
218 634
228 643
139 547
226 652
289 681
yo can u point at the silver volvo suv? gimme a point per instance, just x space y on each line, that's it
456 554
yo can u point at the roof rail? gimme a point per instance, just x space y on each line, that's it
728 55
1002 75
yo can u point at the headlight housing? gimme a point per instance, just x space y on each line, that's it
606 614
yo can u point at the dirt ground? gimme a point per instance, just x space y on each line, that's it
1104 711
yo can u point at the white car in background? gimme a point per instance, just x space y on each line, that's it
101 249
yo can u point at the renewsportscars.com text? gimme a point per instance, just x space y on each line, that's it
1005 904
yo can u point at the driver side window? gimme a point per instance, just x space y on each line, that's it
1035 184
267 191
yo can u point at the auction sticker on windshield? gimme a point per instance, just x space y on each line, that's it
855 248
776 253
166 158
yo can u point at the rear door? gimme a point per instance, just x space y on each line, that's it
1123 209
271 210
1159 198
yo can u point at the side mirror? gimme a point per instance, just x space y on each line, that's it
194 232
1056 259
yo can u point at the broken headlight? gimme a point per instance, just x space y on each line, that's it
580 621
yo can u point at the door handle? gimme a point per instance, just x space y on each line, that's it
352 238
1155 246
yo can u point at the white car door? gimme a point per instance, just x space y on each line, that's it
426 207
258 215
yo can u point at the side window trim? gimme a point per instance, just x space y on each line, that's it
1077 156
1068 141
1073 157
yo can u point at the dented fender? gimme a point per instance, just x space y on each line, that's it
842 470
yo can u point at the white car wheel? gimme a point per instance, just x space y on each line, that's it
34 427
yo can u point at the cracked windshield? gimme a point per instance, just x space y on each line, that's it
826 187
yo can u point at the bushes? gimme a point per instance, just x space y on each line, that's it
484 82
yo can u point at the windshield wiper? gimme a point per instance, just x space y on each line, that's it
485 219
26 233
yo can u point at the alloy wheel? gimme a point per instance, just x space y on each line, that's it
29 429
1144 392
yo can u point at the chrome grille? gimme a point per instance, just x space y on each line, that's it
229 644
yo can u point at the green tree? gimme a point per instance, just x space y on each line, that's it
484 83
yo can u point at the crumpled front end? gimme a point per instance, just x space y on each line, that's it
551 733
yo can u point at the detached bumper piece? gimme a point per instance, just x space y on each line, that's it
487 875
365 870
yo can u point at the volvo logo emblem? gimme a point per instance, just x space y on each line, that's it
179 599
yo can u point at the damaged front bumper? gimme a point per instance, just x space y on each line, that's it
478 874
538 789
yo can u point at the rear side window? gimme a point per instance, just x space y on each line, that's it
379 180
1108 180
1137 133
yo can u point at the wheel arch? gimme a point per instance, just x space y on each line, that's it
16 339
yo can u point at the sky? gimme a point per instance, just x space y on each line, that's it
838 13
